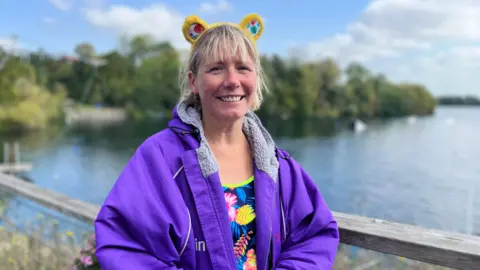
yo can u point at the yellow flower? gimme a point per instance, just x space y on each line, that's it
70 234
245 215
15 239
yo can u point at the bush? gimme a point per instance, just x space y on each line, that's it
87 258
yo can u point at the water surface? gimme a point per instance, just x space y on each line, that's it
424 172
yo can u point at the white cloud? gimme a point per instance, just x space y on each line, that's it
217 7
14 46
49 20
156 20
9 44
64 5
430 41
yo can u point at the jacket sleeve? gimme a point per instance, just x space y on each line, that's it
143 220
312 232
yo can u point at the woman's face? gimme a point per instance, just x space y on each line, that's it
226 89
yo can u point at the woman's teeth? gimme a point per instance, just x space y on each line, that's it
230 98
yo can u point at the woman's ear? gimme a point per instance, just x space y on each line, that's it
193 82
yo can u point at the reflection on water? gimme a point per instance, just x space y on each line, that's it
422 171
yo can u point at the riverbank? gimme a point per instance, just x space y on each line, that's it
458 101
94 115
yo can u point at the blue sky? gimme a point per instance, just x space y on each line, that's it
41 24
436 43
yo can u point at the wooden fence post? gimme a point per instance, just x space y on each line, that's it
6 153
11 153
16 152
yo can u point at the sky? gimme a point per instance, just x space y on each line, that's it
433 42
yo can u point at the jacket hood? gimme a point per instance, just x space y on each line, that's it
187 120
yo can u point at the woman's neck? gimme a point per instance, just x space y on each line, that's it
230 148
223 134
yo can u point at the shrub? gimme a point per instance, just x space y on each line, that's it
87 259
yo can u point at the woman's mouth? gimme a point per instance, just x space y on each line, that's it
231 98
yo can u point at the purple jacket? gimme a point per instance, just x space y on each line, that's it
167 209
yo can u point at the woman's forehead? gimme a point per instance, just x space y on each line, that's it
226 59
227 56
226 50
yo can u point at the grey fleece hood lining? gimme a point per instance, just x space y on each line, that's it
261 143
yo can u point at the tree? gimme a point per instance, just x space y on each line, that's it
142 76
85 51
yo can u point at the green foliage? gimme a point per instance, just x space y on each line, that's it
86 258
142 77
36 244
85 50
25 105
315 89
156 81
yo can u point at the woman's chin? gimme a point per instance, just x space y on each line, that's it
231 114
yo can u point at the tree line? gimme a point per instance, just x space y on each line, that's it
142 76
459 100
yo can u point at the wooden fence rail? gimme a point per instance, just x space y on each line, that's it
441 248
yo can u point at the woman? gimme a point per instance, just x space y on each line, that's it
212 191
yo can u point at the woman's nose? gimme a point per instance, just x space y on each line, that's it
231 79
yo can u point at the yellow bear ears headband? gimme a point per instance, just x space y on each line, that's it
194 27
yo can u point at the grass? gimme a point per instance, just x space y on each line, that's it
351 257
41 246
28 251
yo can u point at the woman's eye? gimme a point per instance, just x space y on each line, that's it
215 69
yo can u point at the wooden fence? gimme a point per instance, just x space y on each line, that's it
441 248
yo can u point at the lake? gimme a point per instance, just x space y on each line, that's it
423 171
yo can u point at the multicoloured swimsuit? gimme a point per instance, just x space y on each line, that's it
240 201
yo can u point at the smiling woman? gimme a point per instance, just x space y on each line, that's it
226 84
224 49
212 191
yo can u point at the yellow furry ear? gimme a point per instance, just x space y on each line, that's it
253 24
193 27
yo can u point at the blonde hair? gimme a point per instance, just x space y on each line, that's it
214 45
